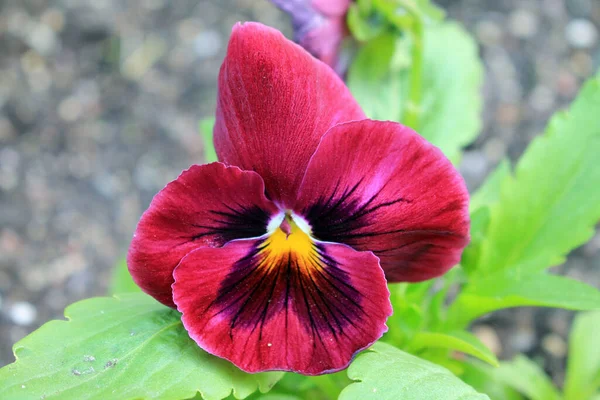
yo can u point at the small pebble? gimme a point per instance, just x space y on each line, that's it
542 99
474 166
566 84
70 109
54 19
522 340
489 337
523 23
488 32
582 64
43 39
22 313
207 44
554 345
581 33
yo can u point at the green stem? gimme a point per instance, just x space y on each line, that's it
412 109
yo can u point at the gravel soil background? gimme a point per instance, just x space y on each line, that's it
99 107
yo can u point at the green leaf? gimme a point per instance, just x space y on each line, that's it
583 366
374 82
451 99
402 13
480 220
206 129
129 347
459 340
122 282
452 78
482 378
508 289
489 192
528 378
428 10
487 195
384 372
552 204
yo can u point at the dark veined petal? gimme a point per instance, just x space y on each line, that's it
275 103
379 186
207 205
282 303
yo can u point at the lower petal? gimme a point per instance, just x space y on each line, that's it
264 308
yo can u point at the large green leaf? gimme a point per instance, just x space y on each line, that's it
452 79
451 82
528 378
583 367
487 195
459 340
508 289
374 81
489 192
553 202
122 282
384 372
129 347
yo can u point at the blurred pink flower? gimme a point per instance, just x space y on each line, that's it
319 27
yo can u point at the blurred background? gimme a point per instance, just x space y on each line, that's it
99 108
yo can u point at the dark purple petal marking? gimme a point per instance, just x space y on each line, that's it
260 286
282 302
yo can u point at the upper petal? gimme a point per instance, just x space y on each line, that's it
282 303
207 205
379 186
275 103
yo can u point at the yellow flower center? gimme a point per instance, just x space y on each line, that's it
288 242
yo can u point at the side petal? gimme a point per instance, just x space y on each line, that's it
275 103
379 186
307 312
207 205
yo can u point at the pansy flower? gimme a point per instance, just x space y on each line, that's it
278 256
320 27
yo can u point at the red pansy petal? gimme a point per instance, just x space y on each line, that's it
207 205
379 186
275 103
267 307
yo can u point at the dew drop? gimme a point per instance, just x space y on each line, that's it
269 344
